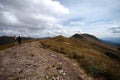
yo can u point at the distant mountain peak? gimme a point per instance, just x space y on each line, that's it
84 37
59 38
78 36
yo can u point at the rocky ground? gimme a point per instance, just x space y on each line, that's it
31 61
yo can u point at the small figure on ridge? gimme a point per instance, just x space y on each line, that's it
19 39
15 40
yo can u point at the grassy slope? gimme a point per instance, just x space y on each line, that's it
93 56
5 46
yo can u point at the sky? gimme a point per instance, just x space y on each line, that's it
48 18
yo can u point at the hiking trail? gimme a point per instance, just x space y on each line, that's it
30 61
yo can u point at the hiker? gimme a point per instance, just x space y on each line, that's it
19 39
15 40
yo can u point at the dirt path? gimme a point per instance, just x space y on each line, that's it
30 61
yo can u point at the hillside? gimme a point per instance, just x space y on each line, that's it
9 39
99 60
32 61
80 57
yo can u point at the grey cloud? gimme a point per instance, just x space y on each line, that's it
30 17
40 18
115 29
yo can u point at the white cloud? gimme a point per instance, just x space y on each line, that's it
9 18
92 9
30 17
42 18
93 16
8 32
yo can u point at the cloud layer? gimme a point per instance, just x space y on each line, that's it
115 29
36 18
44 18
93 16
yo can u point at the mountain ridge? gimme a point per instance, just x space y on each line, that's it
97 59
30 61
84 36
10 39
91 54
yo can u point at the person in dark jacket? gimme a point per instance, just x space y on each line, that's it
19 39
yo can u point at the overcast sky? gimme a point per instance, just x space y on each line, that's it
46 18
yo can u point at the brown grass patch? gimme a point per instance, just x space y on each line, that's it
92 59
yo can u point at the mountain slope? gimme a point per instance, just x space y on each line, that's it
98 59
8 40
31 61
